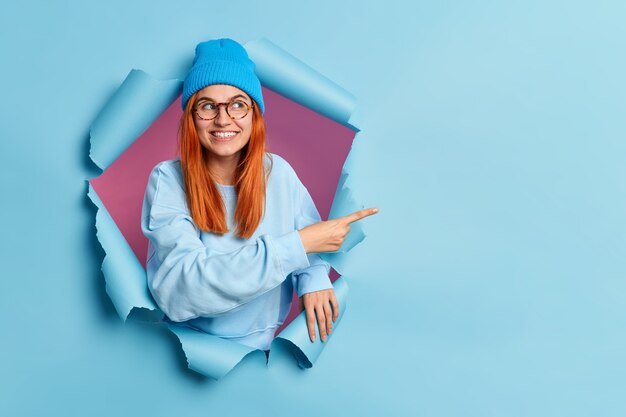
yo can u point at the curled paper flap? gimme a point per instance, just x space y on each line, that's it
134 106
138 102
282 72
124 276
207 354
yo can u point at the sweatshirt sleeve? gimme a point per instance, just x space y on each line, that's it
315 276
188 279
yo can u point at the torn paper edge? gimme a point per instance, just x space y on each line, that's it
285 74
124 275
136 104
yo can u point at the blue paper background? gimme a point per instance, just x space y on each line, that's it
491 282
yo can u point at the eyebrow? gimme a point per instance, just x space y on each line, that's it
230 99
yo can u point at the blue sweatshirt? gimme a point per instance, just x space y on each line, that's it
235 288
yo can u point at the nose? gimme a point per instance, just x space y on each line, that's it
222 119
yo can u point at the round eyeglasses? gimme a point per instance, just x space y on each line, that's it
236 109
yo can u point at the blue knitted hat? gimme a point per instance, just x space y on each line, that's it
222 61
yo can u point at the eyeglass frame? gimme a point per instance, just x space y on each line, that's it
249 106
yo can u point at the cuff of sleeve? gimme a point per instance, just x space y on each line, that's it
314 278
290 252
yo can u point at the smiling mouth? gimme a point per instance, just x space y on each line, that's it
223 135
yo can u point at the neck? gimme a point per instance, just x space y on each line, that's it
223 168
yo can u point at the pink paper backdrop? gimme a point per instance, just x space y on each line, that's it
314 145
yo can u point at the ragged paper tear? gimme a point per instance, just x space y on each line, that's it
138 102
307 122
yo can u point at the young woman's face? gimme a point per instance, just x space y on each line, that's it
223 136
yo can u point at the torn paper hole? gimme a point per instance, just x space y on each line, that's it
308 123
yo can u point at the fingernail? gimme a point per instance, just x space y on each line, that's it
375 210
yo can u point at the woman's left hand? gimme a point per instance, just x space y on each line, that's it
323 305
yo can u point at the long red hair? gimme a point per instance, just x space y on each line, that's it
203 197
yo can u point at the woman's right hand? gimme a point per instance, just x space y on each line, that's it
328 236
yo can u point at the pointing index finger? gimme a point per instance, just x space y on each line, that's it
358 215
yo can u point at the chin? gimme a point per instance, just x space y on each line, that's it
224 152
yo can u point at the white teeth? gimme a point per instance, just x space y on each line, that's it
224 134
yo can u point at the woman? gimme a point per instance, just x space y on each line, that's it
232 230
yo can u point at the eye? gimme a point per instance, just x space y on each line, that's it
237 105
207 106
